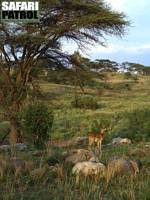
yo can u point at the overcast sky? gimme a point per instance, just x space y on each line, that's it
135 46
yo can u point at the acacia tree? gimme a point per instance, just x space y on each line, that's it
21 45
106 65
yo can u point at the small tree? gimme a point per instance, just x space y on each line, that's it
37 124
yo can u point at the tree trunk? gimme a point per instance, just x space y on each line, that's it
13 136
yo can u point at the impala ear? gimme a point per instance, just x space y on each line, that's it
103 130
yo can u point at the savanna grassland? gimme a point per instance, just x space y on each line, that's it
123 108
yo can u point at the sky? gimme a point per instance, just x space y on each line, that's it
135 45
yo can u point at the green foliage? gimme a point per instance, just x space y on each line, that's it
136 66
127 75
37 123
98 85
4 129
106 65
85 102
135 125
131 76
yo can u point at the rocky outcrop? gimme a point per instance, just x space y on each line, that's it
18 146
119 141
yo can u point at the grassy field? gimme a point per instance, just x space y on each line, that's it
118 101
113 102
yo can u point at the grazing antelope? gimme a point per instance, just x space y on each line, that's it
96 138
91 168
121 166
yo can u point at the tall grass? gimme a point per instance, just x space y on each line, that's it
53 187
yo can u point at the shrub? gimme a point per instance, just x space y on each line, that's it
130 76
135 125
85 102
37 123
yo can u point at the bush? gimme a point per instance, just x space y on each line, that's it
135 125
130 76
85 102
37 123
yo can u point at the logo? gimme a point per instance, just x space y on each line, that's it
20 11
